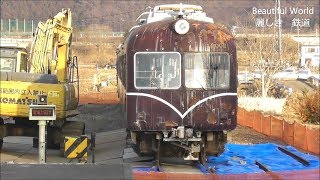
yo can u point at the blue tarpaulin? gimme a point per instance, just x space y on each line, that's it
239 159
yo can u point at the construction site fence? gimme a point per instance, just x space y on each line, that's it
26 28
18 26
302 136
111 81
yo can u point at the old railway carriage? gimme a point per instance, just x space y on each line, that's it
177 81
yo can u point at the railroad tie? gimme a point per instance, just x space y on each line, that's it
294 156
267 170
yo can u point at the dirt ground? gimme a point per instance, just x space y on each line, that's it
100 117
108 97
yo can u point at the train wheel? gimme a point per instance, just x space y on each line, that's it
136 148
1 131
158 153
203 155
1 143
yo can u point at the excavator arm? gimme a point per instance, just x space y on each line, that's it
50 51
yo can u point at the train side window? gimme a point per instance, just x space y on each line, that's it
157 70
207 70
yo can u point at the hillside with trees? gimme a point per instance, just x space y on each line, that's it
120 15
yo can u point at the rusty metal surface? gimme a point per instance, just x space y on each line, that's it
160 36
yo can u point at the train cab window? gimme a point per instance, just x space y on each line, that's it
157 70
207 70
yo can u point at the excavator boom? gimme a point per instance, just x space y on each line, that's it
50 49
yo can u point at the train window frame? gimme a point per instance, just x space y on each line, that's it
227 86
179 65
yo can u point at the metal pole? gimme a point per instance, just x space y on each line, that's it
31 26
42 141
17 25
9 26
93 145
279 32
299 59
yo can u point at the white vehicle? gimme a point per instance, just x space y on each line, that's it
289 73
245 77
304 74
257 74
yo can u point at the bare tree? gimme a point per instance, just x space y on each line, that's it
258 48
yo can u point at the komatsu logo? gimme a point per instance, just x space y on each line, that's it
22 93
24 101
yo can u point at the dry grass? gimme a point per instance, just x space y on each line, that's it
106 95
96 50
86 80
303 106
267 105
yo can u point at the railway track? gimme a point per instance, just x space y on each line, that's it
183 167
178 168
172 166
285 151
265 163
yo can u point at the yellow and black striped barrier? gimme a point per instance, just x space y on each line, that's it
76 147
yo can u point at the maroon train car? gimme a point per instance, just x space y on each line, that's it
177 82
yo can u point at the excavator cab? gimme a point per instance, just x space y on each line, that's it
13 59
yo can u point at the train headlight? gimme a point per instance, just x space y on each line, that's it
181 26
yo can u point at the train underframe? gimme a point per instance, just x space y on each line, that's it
181 142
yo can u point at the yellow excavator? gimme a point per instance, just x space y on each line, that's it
49 72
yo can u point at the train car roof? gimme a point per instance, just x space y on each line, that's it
177 7
172 11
